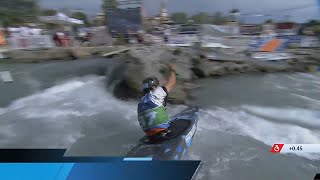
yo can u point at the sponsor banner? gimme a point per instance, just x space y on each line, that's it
31 42
286 29
250 30
309 42
291 39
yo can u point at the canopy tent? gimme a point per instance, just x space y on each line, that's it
60 18
214 45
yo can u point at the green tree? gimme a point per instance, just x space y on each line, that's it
268 21
201 18
233 14
15 12
313 23
109 4
218 19
81 16
66 11
317 29
48 12
234 11
179 18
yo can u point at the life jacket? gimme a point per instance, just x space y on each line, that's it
153 118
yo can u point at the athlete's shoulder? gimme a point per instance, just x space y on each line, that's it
161 91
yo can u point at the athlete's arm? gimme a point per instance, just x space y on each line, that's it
172 78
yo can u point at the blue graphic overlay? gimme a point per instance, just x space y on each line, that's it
32 171
155 170
137 159
50 164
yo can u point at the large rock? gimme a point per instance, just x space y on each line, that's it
178 95
144 62
209 68
101 37
40 55
78 53
183 61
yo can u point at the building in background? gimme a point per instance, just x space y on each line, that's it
268 29
100 19
164 15
233 27
250 29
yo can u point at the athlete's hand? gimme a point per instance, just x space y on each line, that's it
172 67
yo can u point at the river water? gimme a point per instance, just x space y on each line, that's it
67 105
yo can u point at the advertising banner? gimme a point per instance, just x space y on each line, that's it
286 29
291 39
31 42
250 30
121 20
309 42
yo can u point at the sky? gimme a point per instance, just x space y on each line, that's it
278 9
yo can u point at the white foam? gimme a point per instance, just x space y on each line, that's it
238 121
222 161
2 111
308 76
280 87
298 81
62 111
309 100
288 115
44 97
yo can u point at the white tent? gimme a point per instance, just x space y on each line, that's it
60 18
215 45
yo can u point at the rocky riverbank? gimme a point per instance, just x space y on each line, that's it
142 62
43 55
145 61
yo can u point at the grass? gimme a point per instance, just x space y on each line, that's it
177 52
313 58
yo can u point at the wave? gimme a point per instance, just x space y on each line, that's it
297 116
254 122
314 102
299 81
55 117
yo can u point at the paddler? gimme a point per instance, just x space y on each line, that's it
152 115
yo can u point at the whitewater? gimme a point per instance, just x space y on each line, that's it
241 117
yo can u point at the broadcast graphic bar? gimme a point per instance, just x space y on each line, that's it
295 148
